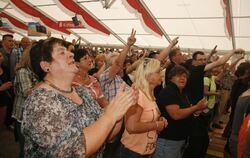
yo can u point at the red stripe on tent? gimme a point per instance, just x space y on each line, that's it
15 22
6 30
74 7
228 18
148 20
33 12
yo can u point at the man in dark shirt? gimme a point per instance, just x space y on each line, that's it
8 45
198 141
176 58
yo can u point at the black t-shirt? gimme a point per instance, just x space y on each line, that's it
195 85
176 129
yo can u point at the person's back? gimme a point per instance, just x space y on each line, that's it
241 110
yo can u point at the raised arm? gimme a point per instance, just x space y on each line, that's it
117 66
232 66
100 71
133 66
165 52
213 51
223 59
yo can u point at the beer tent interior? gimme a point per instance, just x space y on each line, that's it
199 24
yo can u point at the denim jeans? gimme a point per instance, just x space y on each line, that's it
169 148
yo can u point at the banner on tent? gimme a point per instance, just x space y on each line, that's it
69 24
5 25
36 29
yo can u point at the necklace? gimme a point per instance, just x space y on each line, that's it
57 88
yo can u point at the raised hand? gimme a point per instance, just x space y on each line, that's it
239 51
48 34
213 51
131 39
174 41
242 56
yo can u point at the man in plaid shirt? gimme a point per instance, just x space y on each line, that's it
16 55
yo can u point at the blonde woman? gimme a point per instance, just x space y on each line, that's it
24 82
143 121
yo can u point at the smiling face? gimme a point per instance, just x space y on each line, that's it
63 61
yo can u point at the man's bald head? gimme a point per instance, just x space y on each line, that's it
25 42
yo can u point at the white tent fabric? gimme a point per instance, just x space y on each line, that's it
198 23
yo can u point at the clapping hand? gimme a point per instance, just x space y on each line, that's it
125 98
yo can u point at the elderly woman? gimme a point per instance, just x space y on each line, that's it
142 121
175 107
64 121
100 65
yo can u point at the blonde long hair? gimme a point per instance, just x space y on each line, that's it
25 60
146 67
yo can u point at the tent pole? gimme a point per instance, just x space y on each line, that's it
232 23
157 23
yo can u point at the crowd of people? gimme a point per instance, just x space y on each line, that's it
67 100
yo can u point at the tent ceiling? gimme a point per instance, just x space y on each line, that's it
199 24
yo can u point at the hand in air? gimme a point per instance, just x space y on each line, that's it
131 40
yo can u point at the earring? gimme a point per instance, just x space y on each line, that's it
47 69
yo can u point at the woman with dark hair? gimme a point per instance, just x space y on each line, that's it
64 121
176 108
82 78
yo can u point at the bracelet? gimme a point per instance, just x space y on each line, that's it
157 126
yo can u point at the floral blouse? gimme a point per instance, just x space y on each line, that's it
53 124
